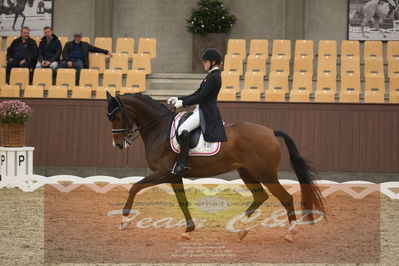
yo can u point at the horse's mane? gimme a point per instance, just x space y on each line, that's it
145 98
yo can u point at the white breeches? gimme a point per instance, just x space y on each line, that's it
191 123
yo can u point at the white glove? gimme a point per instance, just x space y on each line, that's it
179 104
172 100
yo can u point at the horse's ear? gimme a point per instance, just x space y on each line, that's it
109 97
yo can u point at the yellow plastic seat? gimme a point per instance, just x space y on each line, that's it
66 77
299 95
375 95
37 39
12 91
142 62
63 40
81 92
259 48
102 92
374 82
227 95
103 43
89 78
112 79
250 95
120 62
86 39
325 81
125 46
148 46
57 92
350 81
304 64
256 64
277 94
230 80
237 47
233 63
281 65
97 61
278 81
394 83
9 40
34 92
3 59
393 66
43 77
327 48
304 49
302 81
349 95
392 49
19 77
373 65
350 65
372 49
394 96
254 81
324 95
281 49
327 65
2 76
135 82
350 49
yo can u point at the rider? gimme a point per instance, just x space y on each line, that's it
392 5
206 113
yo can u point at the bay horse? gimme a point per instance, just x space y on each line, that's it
17 9
377 12
252 149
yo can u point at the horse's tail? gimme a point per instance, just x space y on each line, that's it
311 195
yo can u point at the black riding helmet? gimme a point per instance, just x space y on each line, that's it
212 54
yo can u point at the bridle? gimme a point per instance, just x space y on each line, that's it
129 133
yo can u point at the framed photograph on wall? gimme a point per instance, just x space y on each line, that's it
373 20
36 14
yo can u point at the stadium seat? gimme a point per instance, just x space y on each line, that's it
57 92
350 49
325 95
125 46
19 77
373 65
302 81
233 63
372 49
142 62
102 92
103 43
281 65
304 64
394 96
135 82
9 91
326 81
374 81
327 48
350 65
259 48
350 81
112 79
86 39
349 95
230 80
63 40
43 77
89 78
81 92
275 95
282 49
34 92
250 95
327 65
148 46
278 81
3 59
9 40
237 47
394 83
227 95
392 50
256 64
393 66
254 81
2 76
66 77
375 95
37 39
300 95
120 62
97 61
304 49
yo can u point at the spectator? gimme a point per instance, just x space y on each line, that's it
22 52
76 54
49 50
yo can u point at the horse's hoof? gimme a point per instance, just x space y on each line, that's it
124 223
185 236
291 234
242 234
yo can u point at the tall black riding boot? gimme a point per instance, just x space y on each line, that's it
181 167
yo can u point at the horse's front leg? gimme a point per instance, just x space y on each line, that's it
148 181
178 188
23 20
377 26
363 25
15 21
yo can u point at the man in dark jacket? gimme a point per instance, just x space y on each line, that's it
76 54
49 50
22 52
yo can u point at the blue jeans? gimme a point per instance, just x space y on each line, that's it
53 65
77 64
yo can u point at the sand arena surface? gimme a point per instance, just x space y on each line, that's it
47 226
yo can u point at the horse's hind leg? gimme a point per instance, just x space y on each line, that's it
377 26
23 20
15 21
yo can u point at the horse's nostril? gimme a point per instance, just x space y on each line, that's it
120 146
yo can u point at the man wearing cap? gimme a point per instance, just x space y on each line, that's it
76 54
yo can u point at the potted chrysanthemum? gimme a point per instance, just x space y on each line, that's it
13 115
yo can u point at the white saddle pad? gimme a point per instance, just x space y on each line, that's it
202 149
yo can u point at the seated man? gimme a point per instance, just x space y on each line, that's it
49 50
22 52
76 54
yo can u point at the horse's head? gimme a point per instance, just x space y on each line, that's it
30 3
122 124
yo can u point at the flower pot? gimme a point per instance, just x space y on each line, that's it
13 135
204 41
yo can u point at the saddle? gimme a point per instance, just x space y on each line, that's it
198 146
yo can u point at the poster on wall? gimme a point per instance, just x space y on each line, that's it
373 20
14 14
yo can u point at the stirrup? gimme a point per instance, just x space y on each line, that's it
180 170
